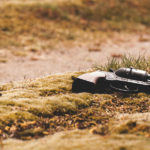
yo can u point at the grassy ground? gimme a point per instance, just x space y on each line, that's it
40 25
46 106
44 113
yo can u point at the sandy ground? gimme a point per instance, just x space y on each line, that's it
74 59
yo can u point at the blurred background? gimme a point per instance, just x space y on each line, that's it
42 37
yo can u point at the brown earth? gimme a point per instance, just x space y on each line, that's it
76 58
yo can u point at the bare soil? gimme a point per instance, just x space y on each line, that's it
76 58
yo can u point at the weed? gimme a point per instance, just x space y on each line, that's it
140 62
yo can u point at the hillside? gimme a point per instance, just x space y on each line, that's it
43 24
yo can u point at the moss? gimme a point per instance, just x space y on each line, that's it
19 116
126 128
5 87
78 139
29 133
23 102
62 110
40 112
49 92
45 106
100 130
127 104
133 127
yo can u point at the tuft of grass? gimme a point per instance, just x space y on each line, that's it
140 62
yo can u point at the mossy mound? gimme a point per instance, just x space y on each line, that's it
46 106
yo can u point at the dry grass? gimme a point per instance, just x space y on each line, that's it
140 62
30 23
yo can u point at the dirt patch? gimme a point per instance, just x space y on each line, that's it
76 58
